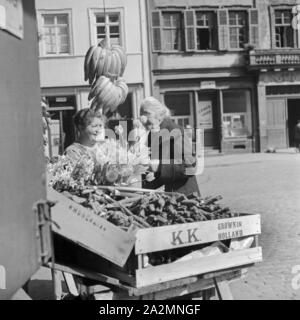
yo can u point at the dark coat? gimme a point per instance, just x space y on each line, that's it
173 161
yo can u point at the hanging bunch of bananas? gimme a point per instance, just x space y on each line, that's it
104 67
108 95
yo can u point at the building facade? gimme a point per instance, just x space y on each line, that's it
276 63
66 30
227 67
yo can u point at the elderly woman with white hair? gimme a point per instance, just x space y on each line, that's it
171 149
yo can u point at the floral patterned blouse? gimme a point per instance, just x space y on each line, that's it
76 151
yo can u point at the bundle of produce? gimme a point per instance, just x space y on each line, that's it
161 209
104 67
108 95
102 205
104 60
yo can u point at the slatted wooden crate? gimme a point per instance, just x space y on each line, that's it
111 251
193 234
79 225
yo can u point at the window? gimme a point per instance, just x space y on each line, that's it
237 29
114 27
198 30
56 35
284 33
180 107
237 113
172 31
205 30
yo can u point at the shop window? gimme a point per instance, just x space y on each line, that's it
180 106
237 114
56 34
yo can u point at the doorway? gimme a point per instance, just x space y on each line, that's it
208 118
62 110
293 117
277 123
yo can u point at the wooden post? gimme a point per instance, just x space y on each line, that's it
57 286
221 120
69 279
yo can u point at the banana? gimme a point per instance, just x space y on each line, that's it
114 97
116 46
119 95
105 93
112 103
93 63
87 60
111 70
95 105
118 64
122 56
123 86
98 86
95 86
101 62
107 64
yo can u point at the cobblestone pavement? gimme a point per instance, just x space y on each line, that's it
268 184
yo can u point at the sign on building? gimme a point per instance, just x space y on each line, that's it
205 115
11 17
208 85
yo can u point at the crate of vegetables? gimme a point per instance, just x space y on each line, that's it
155 237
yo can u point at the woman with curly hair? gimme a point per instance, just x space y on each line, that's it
91 129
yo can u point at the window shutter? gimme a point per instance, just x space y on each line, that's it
190 30
253 27
223 29
273 33
156 31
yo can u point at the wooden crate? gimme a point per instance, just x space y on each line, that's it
79 225
189 236
119 254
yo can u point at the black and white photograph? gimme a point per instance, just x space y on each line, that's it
150 150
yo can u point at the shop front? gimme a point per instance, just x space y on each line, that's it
279 108
225 110
283 112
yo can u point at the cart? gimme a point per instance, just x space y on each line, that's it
113 263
